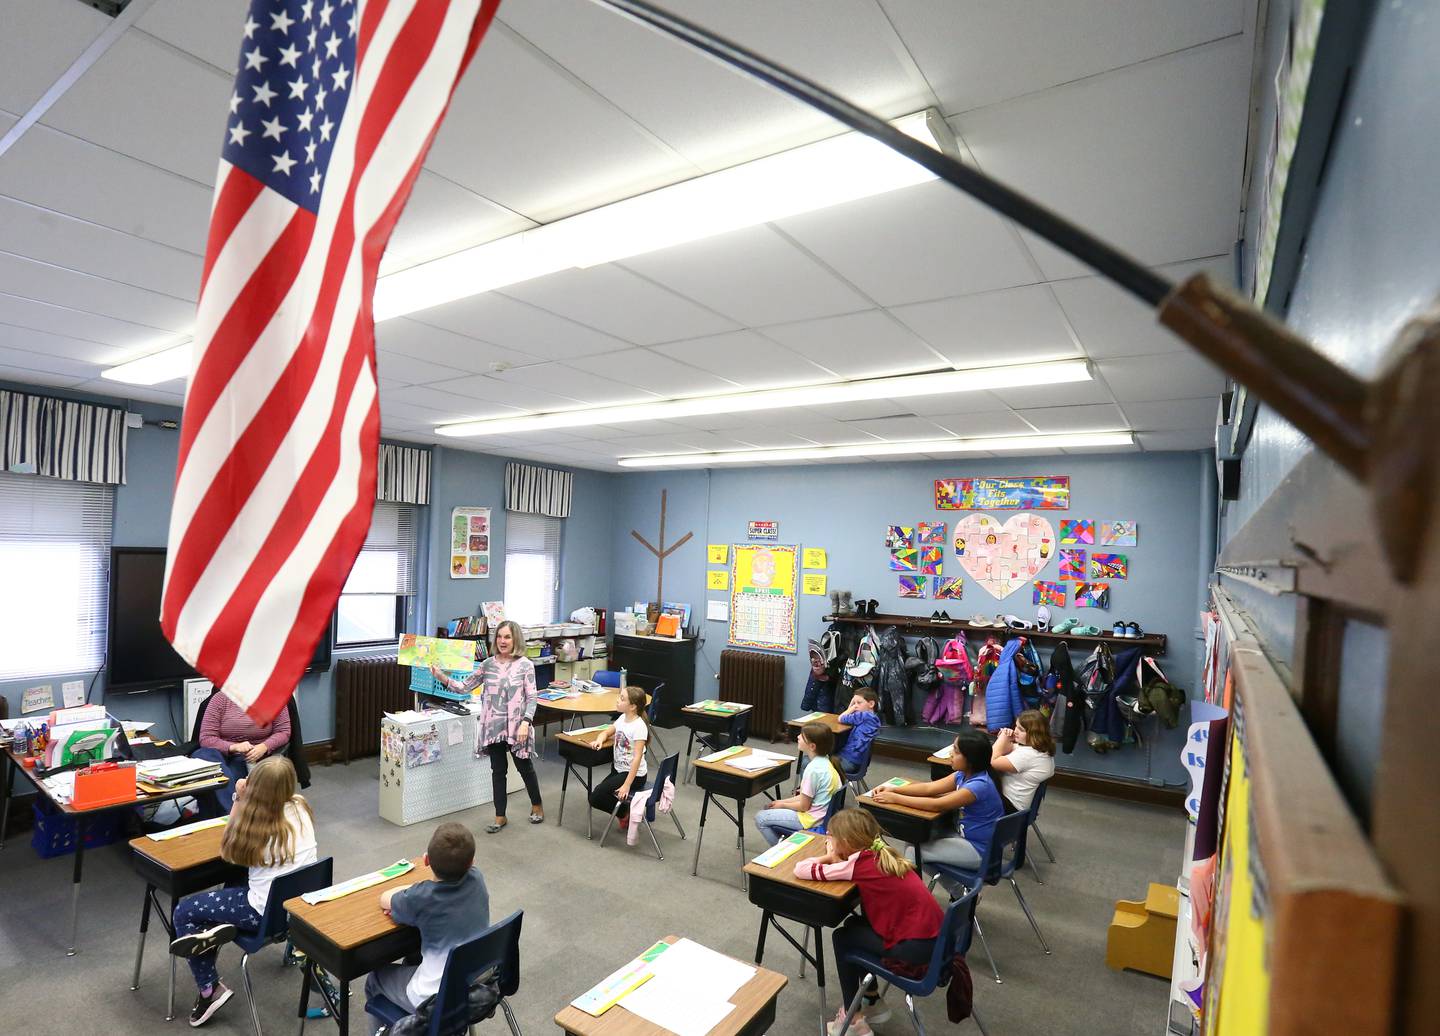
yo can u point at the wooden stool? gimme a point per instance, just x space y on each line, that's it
1142 934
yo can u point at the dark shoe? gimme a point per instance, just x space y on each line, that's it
1119 629
499 825
872 607
934 616
199 943
1133 630
206 1006
537 818
945 617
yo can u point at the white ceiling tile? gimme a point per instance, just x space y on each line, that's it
1019 325
1183 440
827 433
41 39
565 380
632 428
174 112
516 325
954 402
406 337
528 137
1175 414
900 429
1075 393
640 445
923 242
968 424
74 323
30 376
769 437
861 410
210 30
746 359
713 422
422 403
753 276
1171 376
1101 417
1111 322
531 440
134 393
1086 450
490 389
56 285
1115 154
858 345
43 362
653 372
617 302
975 52
406 370
30 340
442 217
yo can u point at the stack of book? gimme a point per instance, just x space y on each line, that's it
161 775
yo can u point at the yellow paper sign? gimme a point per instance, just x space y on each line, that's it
814 557
813 585
718 554
717 580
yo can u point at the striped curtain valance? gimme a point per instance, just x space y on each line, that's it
534 490
403 475
61 438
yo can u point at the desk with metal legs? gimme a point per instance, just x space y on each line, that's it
721 779
578 750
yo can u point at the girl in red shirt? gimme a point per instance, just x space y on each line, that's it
901 918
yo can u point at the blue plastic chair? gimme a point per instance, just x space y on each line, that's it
606 677
1033 817
858 781
668 769
497 947
954 940
275 922
652 717
1005 856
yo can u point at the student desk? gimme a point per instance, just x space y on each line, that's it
703 721
909 823
753 1016
350 937
939 767
177 867
605 702
580 750
830 719
815 904
728 782
81 818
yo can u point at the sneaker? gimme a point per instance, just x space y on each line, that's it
877 1011
1119 629
1133 630
858 1025
198 943
205 1006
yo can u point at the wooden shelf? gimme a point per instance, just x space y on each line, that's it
1152 642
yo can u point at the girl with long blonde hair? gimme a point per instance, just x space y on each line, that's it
270 832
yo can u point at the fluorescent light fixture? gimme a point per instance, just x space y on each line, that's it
1068 440
166 365
803 179
974 379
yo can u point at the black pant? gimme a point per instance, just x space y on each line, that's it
603 797
499 753
856 935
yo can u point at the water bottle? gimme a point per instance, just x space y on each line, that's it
624 680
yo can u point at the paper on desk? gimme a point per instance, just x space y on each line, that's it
674 1009
586 730
944 753
709 976
61 786
187 829
755 762
325 895
724 753
137 728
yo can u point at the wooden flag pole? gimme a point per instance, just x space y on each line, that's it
661 552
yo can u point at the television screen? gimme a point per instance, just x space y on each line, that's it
138 657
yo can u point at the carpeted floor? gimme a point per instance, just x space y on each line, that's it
588 910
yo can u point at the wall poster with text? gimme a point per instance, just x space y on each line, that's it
763 581
470 543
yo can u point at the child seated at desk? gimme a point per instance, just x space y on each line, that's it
271 832
629 732
901 918
451 910
822 779
864 724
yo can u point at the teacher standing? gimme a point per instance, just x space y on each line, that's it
508 698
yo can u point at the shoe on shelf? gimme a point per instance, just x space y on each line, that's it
1133 630
1065 625
979 620
935 616
206 1006
1086 631
1042 619
1118 630
945 617
198 943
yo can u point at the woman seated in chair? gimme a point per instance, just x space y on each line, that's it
231 738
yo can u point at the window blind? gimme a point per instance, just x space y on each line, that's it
387 562
532 567
55 556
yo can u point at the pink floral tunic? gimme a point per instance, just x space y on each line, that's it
508 697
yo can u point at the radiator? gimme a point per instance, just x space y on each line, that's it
757 679
366 689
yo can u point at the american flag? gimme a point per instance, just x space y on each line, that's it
333 109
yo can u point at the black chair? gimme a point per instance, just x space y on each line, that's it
497 948
667 771
737 733
1033 814
275 922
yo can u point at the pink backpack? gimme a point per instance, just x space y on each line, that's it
946 704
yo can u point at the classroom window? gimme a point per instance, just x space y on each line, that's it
532 567
379 596
55 556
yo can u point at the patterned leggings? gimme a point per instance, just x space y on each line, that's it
205 910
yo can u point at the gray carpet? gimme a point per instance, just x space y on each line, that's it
588 910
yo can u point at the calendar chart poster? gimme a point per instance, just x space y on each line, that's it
763 587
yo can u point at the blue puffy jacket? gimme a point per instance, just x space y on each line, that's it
1002 693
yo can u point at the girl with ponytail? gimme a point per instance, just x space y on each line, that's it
901 918
810 805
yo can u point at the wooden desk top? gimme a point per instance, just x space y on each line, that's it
140 799
868 802
176 854
830 719
723 765
583 740
783 873
601 701
749 1000
356 919
711 712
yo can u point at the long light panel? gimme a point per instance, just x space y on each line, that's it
1071 440
974 379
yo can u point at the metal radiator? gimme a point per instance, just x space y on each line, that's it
758 679
366 689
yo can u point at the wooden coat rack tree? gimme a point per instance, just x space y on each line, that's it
662 552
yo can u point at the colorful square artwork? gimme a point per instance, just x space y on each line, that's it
1092 595
1072 564
1119 532
929 534
951 588
904 559
1047 593
898 536
1076 530
1109 566
913 587
931 559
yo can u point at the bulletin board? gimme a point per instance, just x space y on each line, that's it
763 583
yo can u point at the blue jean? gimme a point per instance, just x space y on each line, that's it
207 909
233 766
775 824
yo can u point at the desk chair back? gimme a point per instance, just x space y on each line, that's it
668 768
739 731
275 922
858 780
497 947
837 803
606 677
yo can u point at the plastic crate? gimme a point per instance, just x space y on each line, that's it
55 831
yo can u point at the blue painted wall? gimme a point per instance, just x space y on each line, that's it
845 509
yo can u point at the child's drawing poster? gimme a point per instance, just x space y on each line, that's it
1004 558
470 543
1072 564
1092 595
931 559
1109 566
1076 530
899 536
904 559
1049 594
1119 532
951 588
913 587
930 534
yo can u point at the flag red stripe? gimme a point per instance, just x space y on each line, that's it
237 194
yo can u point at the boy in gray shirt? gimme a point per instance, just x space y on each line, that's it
450 910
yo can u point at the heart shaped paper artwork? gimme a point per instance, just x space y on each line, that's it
1004 558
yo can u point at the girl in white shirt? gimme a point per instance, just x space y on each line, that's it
1024 757
629 733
